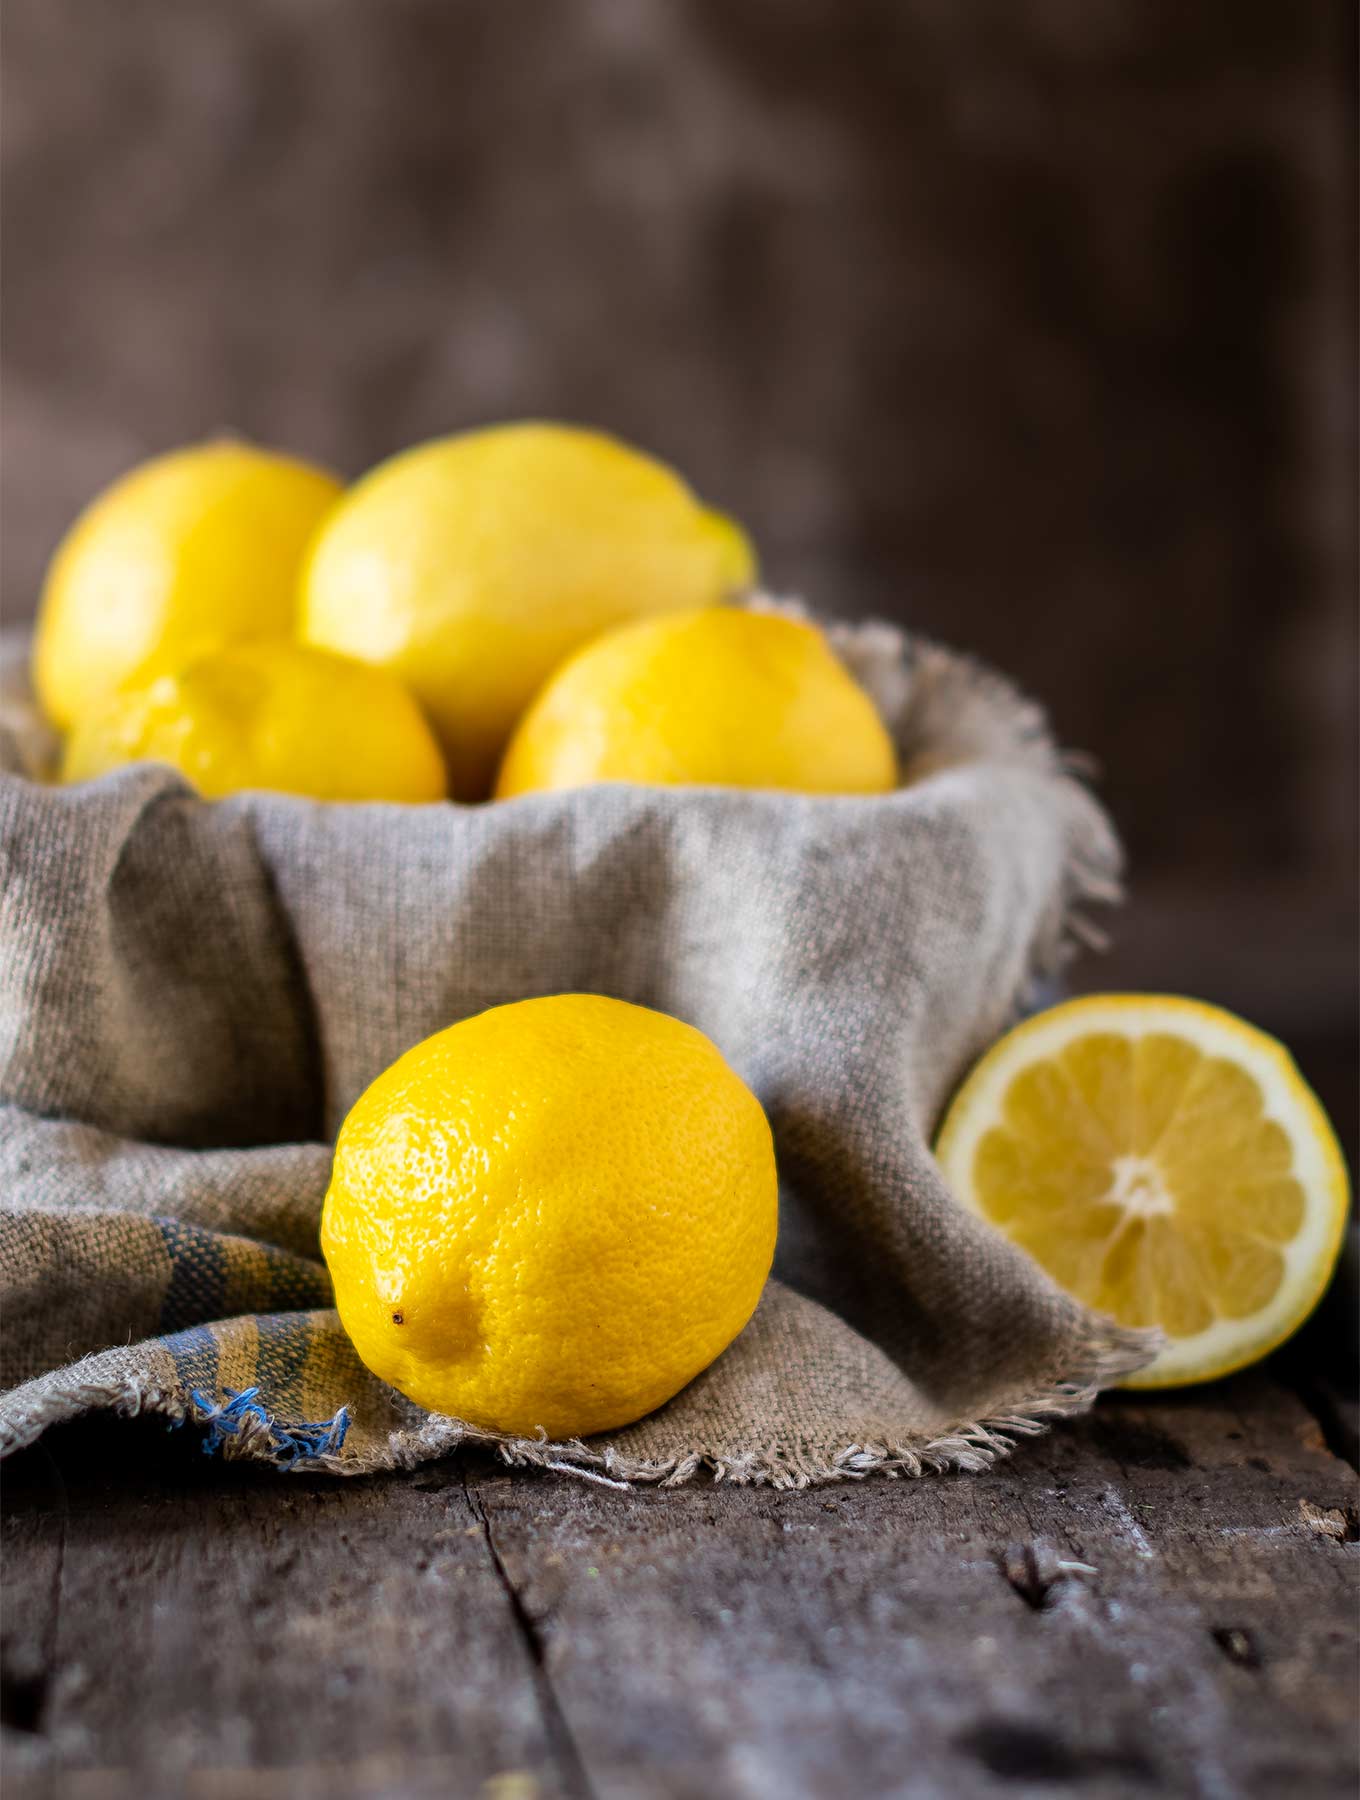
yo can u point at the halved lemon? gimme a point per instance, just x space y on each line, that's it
1166 1163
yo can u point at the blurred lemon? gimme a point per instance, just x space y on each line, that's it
551 1216
199 547
471 566
721 697
1166 1163
266 715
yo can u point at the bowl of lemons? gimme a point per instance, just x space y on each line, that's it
554 1214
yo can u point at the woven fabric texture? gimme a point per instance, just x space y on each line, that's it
192 995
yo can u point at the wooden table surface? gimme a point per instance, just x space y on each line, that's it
1158 1599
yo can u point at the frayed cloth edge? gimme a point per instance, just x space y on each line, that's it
238 1425
969 1446
966 1447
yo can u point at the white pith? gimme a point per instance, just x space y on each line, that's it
1136 1183
1138 1188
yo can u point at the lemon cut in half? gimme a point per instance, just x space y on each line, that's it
1166 1164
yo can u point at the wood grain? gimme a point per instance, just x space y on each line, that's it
211 1633
1160 1599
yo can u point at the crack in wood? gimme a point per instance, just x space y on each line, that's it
1238 1645
561 1740
1038 1573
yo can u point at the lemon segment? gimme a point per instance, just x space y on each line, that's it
1166 1164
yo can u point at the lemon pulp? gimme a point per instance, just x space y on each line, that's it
1166 1164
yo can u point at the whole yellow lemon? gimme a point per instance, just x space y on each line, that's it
199 547
722 697
551 1216
471 566
266 715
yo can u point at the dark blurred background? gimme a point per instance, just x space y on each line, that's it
1028 324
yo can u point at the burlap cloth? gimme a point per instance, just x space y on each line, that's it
192 996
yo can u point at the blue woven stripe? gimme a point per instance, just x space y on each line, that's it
198 1275
284 1342
202 1262
196 1358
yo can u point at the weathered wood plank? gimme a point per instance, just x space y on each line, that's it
1159 1599
224 1632
1139 1603
33 1541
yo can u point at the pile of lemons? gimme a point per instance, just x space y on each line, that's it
525 607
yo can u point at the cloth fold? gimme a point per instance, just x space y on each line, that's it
193 994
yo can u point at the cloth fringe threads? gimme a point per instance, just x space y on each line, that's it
241 1417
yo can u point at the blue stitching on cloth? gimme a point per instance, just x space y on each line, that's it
320 1438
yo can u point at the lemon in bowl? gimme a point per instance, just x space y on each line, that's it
720 697
197 548
471 566
265 715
